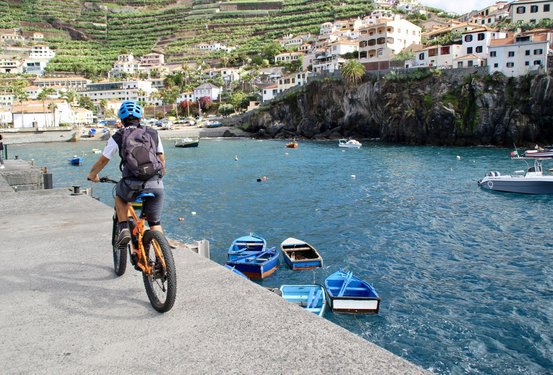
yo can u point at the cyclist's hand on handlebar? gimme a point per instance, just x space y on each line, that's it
93 177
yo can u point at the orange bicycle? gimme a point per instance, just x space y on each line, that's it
150 253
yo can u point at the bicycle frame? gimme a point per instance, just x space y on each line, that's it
138 233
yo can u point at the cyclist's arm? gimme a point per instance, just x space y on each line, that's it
97 168
161 154
162 159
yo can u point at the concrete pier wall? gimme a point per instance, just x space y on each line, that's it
20 175
64 311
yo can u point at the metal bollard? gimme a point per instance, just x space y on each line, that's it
48 181
76 190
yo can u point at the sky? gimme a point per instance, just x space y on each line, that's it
457 6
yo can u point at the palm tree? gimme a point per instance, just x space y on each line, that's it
43 95
353 71
52 107
21 95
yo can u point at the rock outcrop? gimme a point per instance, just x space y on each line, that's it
437 108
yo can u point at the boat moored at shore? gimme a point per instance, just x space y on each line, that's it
533 180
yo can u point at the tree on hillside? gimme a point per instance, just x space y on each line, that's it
353 71
43 95
52 107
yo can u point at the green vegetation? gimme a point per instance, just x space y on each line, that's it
353 71
107 29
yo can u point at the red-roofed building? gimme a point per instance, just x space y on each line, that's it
520 54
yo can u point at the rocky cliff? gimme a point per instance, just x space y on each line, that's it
434 108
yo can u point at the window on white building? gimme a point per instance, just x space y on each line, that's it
521 10
468 38
511 53
481 36
533 9
527 52
510 65
537 62
546 8
493 53
479 49
538 51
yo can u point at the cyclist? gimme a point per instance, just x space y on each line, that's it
129 187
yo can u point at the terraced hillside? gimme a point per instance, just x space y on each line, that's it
89 34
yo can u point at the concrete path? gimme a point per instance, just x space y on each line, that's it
64 311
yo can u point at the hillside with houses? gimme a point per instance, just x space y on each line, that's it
51 74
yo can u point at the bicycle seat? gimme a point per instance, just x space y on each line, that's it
144 195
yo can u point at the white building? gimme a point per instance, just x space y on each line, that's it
519 54
207 89
284 83
530 11
36 114
82 116
476 41
6 116
6 99
213 47
227 74
122 90
438 56
153 59
469 61
40 51
380 42
288 57
76 83
125 64
13 66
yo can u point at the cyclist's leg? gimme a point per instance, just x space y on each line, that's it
124 194
153 207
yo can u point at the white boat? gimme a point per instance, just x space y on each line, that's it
530 181
187 142
349 143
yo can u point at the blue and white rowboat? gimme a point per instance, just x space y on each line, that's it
349 294
249 255
300 255
311 297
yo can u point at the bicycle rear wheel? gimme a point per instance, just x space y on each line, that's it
119 255
161 284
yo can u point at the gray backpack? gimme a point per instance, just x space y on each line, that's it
138 154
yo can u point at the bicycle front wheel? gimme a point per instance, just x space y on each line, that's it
161 284
119 255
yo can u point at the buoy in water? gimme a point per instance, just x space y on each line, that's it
235 157
193 212
458 157
181 218
353 176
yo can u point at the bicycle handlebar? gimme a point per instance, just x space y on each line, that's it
107 179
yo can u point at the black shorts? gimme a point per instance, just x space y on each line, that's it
128 190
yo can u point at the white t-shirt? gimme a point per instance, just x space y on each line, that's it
112 149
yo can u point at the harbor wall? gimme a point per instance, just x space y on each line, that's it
64 310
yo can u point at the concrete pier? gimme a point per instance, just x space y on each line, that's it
64 311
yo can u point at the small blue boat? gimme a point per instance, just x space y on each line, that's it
76 160
233 269
349 294
249 255
299 255
311 297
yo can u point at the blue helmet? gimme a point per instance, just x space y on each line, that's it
130 108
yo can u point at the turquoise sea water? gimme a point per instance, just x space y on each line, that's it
465 275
